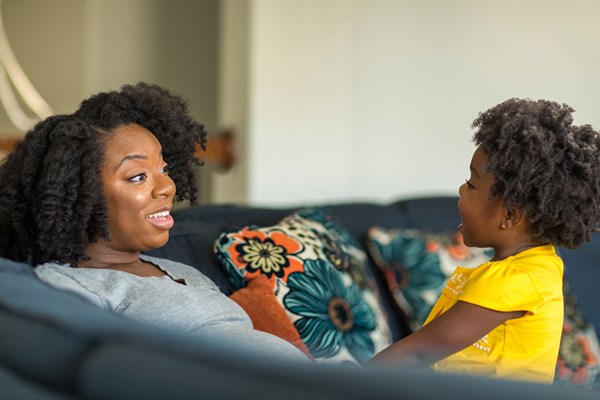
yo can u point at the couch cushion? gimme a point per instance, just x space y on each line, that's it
266 313
319 275
13 386
582 268
579 354
139 369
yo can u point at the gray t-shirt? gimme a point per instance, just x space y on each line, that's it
184 299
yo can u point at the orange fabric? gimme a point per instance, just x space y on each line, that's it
266 313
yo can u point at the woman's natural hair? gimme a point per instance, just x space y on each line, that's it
51 198
545 166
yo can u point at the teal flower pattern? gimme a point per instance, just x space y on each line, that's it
416 265
333 314
326 219
419 271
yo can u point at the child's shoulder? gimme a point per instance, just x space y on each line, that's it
539 266
528 264
544 257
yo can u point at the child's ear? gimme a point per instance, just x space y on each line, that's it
513 217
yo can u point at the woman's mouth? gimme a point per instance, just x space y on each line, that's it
161 219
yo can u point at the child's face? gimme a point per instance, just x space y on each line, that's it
481 215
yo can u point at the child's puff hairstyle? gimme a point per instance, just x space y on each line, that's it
545 166
51 197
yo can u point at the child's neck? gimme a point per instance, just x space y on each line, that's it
505 252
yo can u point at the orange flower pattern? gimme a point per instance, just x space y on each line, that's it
271 253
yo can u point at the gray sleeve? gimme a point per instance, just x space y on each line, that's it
58 280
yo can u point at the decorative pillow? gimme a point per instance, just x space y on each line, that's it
320 277
266 313
579 354
416 265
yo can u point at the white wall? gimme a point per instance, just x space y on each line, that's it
373 99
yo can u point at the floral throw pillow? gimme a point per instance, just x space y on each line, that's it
416 265
579 353
319 275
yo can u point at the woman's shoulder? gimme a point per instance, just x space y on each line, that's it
65 276
52 268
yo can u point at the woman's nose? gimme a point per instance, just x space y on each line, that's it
164 186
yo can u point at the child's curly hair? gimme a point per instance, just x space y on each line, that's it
51 197
545 166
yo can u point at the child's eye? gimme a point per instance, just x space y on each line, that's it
469 184
138 178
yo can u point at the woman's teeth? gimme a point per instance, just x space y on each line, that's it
158 214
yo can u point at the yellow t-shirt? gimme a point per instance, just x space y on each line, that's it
524 348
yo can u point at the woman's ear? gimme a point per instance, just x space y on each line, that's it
513 217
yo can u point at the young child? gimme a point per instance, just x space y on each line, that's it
534 185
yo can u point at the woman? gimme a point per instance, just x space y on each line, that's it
84 194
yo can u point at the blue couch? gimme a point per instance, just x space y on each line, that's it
56 345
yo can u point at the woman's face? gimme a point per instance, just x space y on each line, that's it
139 192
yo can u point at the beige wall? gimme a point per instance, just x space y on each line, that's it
47 38
335 100
169 42
70 49
233 91
373 99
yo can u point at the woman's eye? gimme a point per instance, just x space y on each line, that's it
165 170
138 178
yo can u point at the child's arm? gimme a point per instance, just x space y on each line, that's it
459 327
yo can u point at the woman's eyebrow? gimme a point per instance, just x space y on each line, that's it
131 157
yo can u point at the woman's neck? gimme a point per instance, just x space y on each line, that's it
100 255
